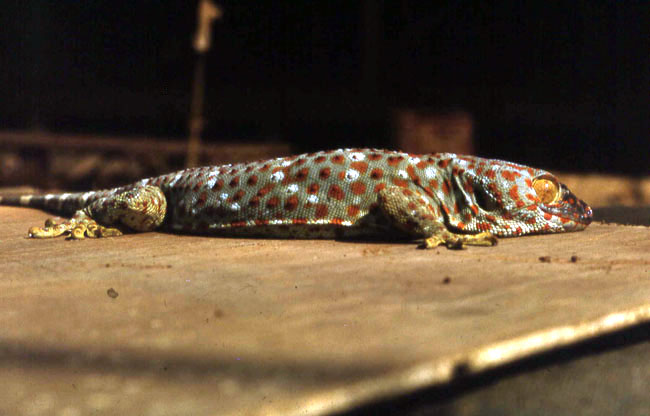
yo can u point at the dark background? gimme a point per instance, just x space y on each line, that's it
562 84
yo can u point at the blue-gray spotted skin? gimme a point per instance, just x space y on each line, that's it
339 193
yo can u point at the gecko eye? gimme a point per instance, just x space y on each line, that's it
547 189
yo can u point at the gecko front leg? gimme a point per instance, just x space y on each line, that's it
411 212
139 209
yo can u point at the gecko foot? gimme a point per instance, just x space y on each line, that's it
459 241
77 228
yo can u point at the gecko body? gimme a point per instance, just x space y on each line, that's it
440 198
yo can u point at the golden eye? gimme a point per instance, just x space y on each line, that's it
547 189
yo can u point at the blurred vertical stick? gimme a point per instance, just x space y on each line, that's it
207 12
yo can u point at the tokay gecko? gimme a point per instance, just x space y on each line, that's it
438 199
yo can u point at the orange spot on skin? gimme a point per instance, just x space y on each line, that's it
412 206
291 203
273 202
341 175
532 197
400 182
261 222
490 218
202 198
531 221
324 173
510 175
456 210
460 225
531 207
337 159
421 164
443 163
376 174
429 191
474 209
218 185
374 156
299 221
254 201
313 188
360 166
335 192
265 167
411 171
234 182
407 192
394 160
520 204
514 192
529 183
353 210
266 189
321 211
490 174
433 183
337 221
547 216
320 159
564 220
446 187
252 180
302 174
358 188
444 208
238 195
379 187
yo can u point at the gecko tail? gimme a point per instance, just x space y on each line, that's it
63 204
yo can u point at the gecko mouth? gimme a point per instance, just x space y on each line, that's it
571 208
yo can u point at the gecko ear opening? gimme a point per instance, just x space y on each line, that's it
547 189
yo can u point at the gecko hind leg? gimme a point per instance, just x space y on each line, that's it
411 212
139 209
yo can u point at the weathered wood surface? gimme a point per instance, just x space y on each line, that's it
213 326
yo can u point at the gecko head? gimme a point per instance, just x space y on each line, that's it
508 199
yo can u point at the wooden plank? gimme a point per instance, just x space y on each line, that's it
206 326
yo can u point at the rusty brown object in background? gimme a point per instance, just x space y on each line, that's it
426 131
